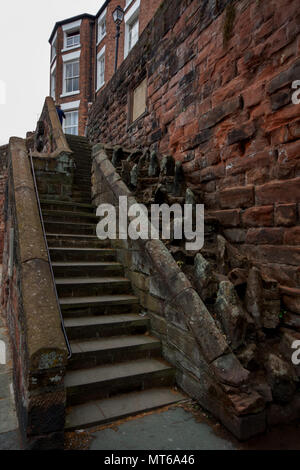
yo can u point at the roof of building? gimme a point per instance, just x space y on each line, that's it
75 18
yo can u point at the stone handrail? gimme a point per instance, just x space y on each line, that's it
30 305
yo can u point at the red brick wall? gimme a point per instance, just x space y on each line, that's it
87 64
221 104
147 11
88 40
110 42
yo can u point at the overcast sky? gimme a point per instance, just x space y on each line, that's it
25 27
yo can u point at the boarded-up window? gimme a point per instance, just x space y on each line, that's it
139 99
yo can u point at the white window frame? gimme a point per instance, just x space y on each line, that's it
72 106
74 37
127 3
53 82
71 111
67 58
130 18
101 21
53 47
70 28
100 58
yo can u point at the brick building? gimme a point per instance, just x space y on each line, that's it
83 55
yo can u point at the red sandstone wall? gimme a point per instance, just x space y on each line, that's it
225 110
3 179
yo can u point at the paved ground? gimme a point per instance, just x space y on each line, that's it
9 435
174 429
180 427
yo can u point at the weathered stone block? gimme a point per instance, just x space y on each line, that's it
281 378
285 214
237 197
230 314
258 216
219 113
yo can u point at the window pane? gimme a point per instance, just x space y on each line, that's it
72 76
71 123
69 69
101 71
73 39
101 29
76 69
75 84
133 33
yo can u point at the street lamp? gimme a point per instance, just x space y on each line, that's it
118 15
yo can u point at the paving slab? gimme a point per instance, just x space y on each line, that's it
118 407
174 429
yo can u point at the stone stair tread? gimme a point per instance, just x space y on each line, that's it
90 280
115 342
70 235
66 203
114 371
103 319
69 214
75 224
85 263
83 249
101 299
123 405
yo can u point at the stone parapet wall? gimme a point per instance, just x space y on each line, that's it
3 179
30 307
49 138
52 156
206 367
219 99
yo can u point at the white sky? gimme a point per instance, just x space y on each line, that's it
25 27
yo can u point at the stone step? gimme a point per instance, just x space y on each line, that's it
75 228
83 162
82 199
107 380
81 190
82 254
81 182
83 286
102 304
69 216
79 241
84 171
103 350
70 206
103 326
87 269
106 411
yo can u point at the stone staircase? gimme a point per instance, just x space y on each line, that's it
116 369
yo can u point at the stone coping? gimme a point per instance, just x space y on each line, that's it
198 319
44 338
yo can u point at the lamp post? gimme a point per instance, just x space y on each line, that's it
118 15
